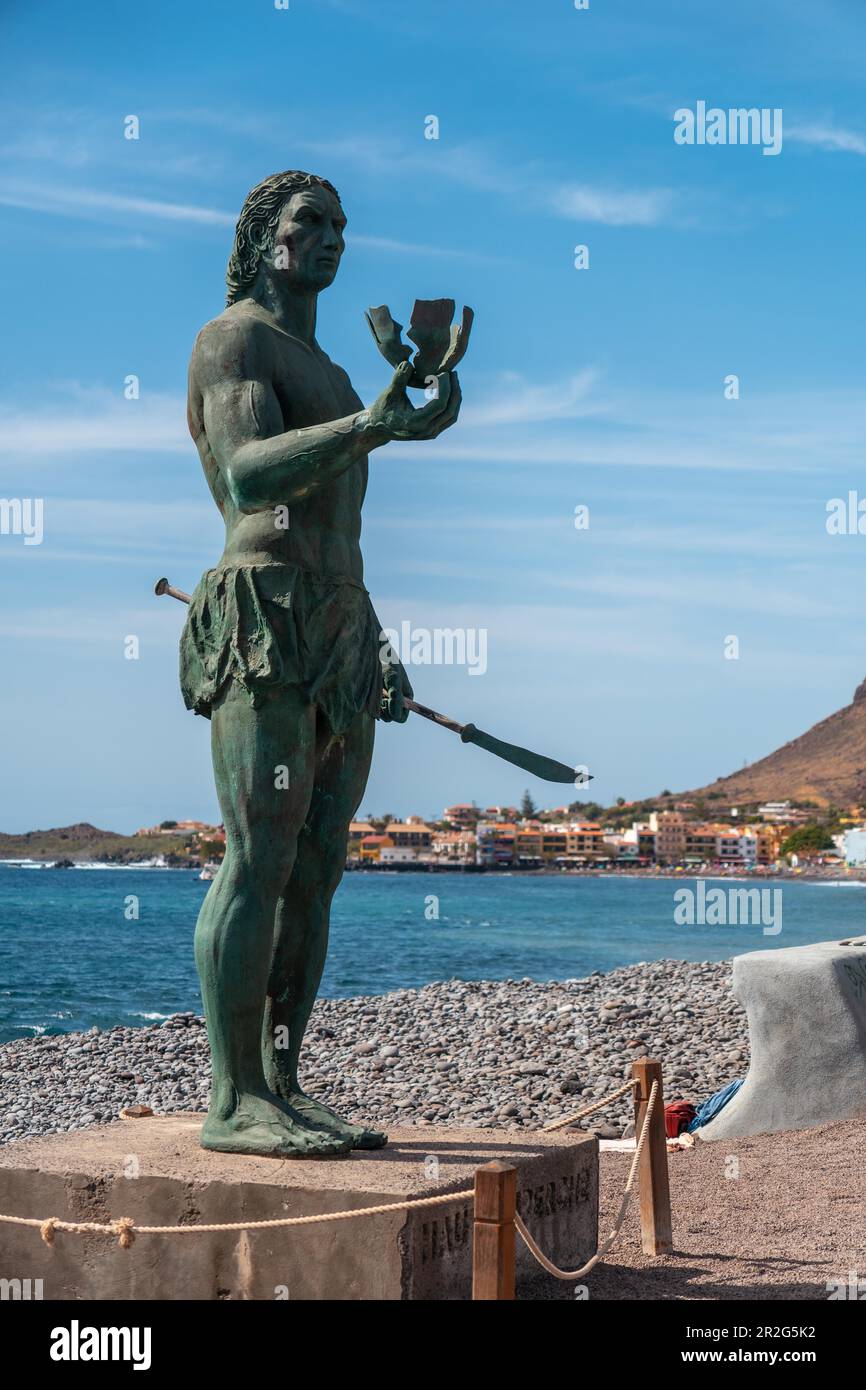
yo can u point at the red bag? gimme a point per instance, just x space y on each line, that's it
678 1116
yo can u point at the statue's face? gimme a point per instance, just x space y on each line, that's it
308 242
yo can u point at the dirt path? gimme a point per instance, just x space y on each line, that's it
793 1219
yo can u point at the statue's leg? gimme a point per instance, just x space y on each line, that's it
264 762
302 920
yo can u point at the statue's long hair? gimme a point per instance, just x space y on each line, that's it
254 234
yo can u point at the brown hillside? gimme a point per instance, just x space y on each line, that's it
81 834
85 842
827 765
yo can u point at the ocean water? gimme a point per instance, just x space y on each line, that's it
70 957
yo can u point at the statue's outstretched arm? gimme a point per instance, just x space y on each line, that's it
263 464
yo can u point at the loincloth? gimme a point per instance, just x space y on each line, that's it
270 626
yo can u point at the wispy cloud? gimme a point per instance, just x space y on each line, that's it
517 421
88 202
826 136
56 624
97 421
623 208
136 532
611 451
733 596
817 432
42 147
711 535
416 248
471 165
96 205
518 401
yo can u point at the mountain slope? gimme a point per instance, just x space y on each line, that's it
827 764
85 842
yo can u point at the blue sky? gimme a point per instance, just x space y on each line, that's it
602 387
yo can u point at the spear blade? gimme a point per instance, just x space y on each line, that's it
548 769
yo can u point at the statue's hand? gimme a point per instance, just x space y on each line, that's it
394 413
395 689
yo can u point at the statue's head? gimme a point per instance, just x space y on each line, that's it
291 227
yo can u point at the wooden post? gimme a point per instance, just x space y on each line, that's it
655 1197
493 1233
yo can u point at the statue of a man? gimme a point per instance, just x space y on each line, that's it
281 650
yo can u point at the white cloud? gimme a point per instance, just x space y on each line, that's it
95 205
734 596
585 450
99 421
826 136
88 202
813 432
410 248
716 535
469 165
519 401
58 624
623 208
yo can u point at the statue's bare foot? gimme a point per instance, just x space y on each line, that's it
322 1118
258 1125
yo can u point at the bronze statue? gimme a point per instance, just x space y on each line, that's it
281 650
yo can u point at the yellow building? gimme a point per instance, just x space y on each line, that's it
585 841
554 845
372 845
528 846
769 839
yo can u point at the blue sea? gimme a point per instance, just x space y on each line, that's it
70 957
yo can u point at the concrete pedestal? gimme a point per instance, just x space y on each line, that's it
807 1030
154 1171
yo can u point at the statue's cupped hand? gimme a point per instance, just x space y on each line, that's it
394 413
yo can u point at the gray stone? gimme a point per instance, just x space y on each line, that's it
423 1254
806 1007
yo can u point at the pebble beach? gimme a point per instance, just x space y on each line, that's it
488 1054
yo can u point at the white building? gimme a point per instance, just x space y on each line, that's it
854 846
399 854
782 813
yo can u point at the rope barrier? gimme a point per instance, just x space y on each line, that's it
126 1229
602 1250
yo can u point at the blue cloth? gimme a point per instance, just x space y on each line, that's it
710 1108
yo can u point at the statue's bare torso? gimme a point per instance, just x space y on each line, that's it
324 529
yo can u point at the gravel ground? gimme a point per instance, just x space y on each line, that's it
484 1053
789 1222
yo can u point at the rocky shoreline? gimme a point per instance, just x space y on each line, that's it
491 1054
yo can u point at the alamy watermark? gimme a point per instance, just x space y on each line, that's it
18 1290
729 907
22 516
438 646
739 125
853 1287
846 516
77 1343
